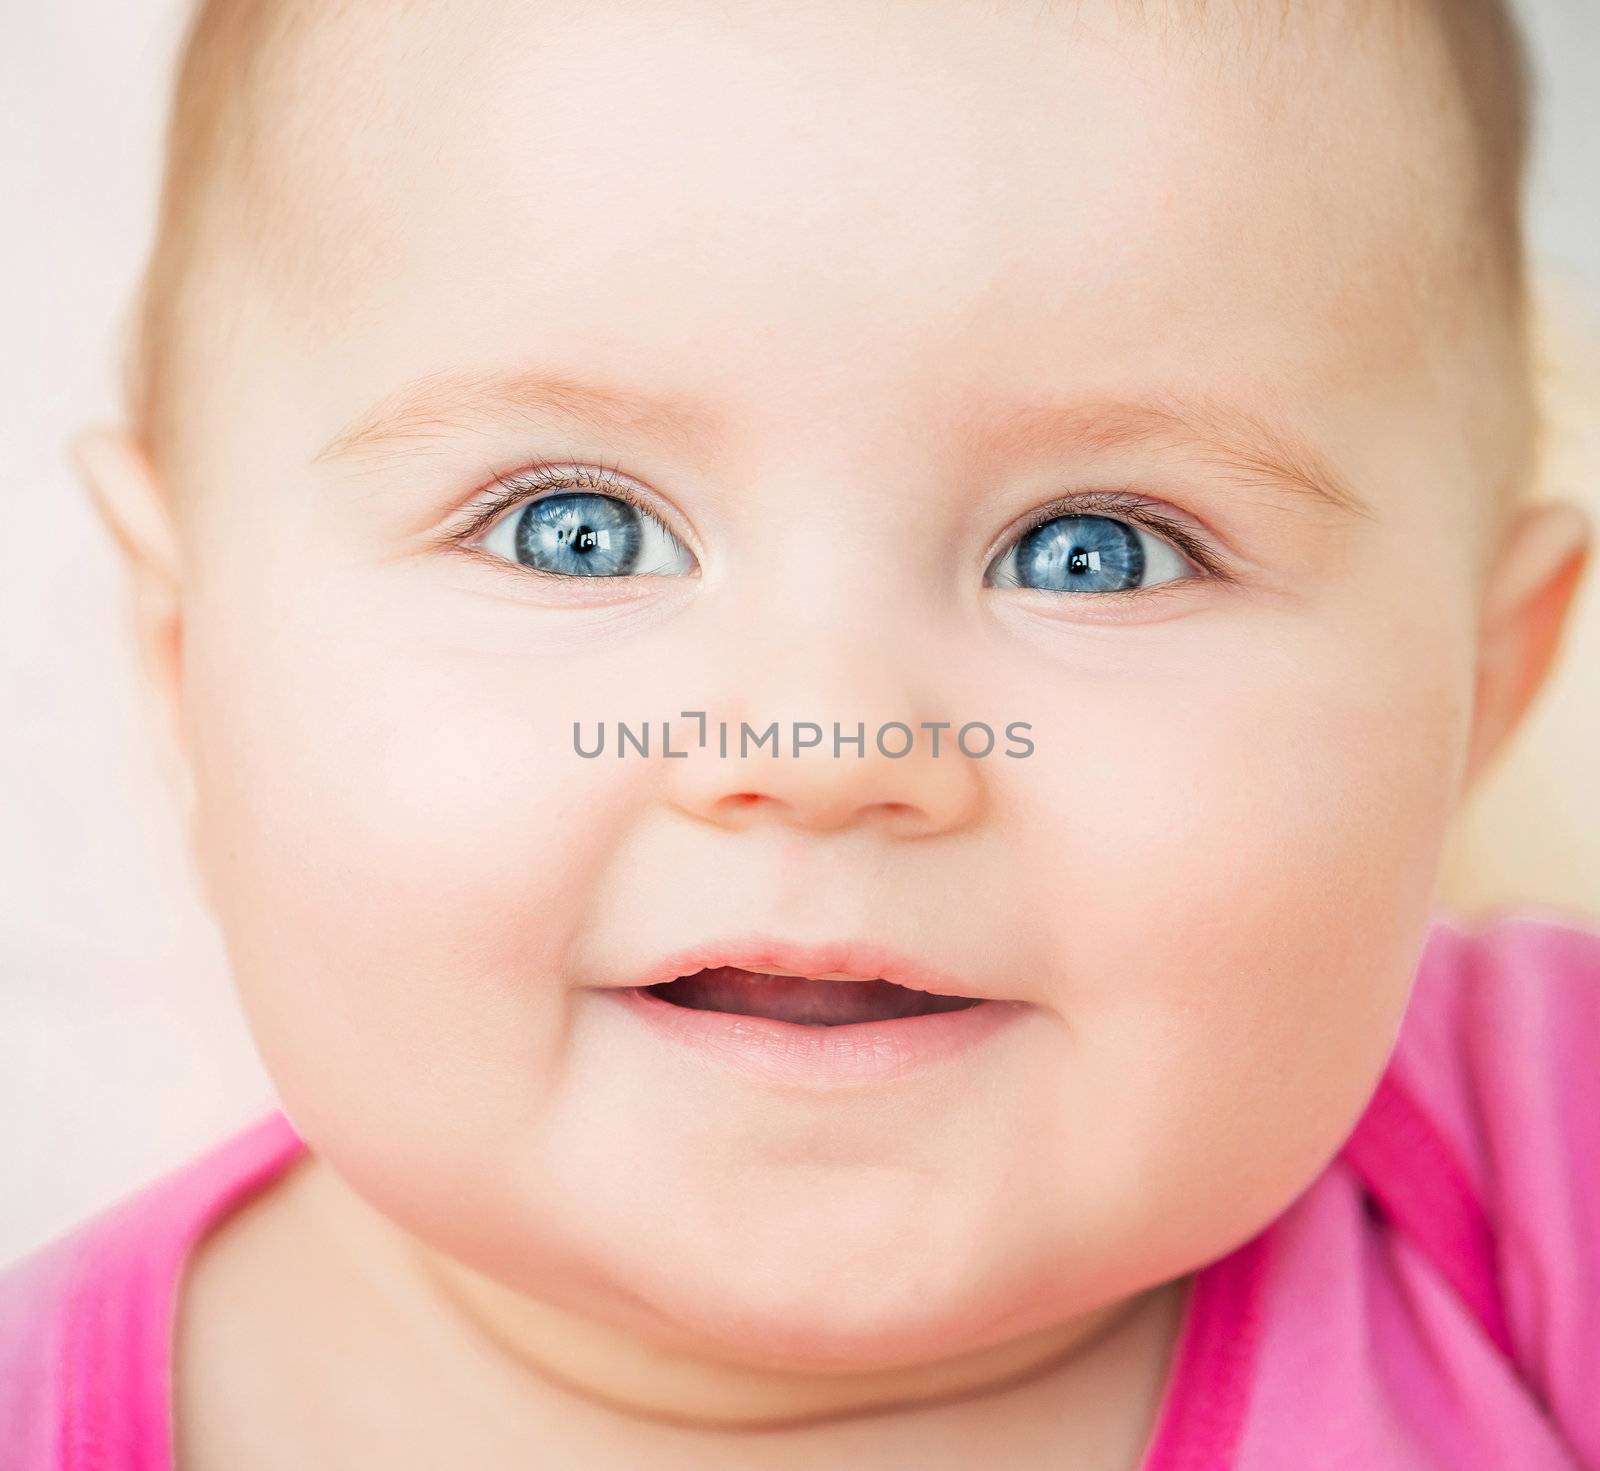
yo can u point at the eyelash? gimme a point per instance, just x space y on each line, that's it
509 490
1122 504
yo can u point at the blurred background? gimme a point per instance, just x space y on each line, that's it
122 1052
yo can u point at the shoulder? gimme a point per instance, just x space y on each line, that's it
1500 1046
1501 1034
84 1318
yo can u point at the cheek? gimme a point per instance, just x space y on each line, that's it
398 840
1234 862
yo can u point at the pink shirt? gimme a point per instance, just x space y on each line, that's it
1431 1299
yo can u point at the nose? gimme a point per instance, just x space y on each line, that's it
823 736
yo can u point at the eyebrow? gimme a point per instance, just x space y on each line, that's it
437 405
1247 448
1242 444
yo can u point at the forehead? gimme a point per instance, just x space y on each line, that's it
864 190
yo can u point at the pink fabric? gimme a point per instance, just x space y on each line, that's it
1431 1300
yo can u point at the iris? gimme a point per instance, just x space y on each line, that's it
1080 554
579 535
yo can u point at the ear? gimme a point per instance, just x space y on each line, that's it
128 498
1540 563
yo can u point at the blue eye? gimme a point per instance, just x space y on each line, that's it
585 534
1088 554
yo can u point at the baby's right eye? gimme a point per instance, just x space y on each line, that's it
588 534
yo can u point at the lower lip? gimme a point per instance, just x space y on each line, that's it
820 1058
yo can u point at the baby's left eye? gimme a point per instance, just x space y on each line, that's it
1090 554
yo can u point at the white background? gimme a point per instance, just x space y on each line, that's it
121 1050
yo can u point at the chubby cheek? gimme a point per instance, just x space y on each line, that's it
1233 865
398 841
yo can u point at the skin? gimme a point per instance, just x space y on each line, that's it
853 244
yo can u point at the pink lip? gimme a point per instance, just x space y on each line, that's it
859 960
816 1058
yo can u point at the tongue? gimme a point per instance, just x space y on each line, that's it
799 999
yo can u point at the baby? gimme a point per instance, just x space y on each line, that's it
818 657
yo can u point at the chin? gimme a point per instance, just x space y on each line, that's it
833 1311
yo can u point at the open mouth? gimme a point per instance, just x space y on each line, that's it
801 999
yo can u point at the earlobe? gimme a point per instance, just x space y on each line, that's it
129 500
1526 610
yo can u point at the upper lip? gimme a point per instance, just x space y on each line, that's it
852 960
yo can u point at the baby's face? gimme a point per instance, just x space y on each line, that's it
843 297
